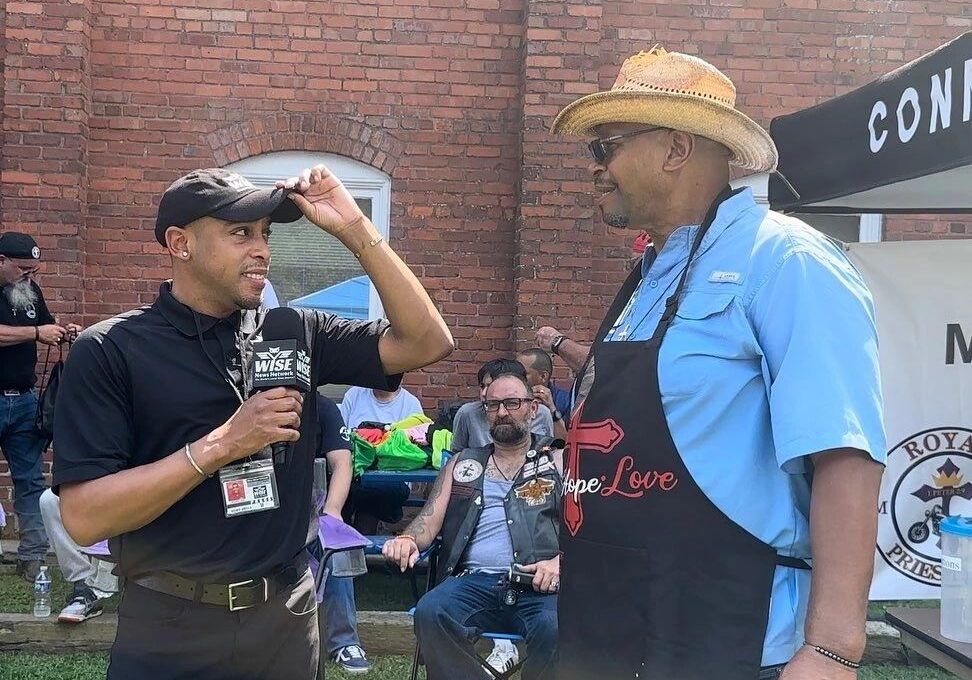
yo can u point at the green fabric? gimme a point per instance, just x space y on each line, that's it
364 454
441 441
398 453
411 421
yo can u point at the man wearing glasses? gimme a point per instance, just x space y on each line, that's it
494 506
471 428
732 435
24 321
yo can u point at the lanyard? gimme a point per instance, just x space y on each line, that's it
244 346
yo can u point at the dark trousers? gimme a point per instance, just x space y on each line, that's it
161 637
450 616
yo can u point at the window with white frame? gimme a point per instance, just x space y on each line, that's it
862 228
309 267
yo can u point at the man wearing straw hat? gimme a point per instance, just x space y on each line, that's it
737 363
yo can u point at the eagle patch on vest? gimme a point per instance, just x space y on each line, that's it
536 491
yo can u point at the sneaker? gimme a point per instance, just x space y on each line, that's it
352 659
503 657
29 569
83 605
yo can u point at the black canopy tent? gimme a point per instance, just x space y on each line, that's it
901 144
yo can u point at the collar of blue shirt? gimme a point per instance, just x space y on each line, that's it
680 240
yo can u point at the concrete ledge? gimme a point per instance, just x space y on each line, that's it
23 632
382 633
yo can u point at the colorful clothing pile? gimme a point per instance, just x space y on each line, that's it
410 444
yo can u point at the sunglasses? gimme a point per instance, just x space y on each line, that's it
513 404
600 148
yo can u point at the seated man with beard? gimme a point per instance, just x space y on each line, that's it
24 321
493 506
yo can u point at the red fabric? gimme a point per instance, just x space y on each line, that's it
641 243
372 435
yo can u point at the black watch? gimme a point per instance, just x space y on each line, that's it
555 345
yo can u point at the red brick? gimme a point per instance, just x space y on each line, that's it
109 101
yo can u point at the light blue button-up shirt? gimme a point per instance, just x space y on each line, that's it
772 357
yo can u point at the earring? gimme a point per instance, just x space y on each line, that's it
185 253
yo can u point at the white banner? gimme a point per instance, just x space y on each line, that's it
923 300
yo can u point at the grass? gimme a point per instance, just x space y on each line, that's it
875 609
17 596
22 666
19 666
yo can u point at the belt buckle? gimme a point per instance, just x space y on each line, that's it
11 393
232 596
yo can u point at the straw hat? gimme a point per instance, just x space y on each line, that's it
676 91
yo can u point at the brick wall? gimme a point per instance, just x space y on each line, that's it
105 102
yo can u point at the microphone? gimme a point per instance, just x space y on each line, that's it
281 360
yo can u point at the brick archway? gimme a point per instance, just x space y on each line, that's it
306 132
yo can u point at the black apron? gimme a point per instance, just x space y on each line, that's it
656 582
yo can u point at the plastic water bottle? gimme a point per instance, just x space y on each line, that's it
42 594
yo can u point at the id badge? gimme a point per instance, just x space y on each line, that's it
249 487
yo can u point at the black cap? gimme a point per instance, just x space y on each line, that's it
19 246
224 194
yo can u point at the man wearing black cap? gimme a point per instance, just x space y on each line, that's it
161 446
24 321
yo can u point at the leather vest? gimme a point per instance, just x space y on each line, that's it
533 506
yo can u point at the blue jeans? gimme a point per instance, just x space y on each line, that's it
340 617
23 447
453 614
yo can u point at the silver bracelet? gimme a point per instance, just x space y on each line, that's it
192 462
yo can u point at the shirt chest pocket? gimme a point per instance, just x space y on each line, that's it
709 340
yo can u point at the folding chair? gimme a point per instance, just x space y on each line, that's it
335 536
427 556
497 675
433 552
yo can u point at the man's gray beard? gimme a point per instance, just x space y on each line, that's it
21 295
508 433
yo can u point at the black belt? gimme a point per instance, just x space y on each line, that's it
234 596
14 392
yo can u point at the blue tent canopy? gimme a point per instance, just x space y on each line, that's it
347 299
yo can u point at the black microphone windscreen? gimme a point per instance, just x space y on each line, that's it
283 323
280 358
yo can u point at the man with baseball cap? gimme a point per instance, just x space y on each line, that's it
162 449
24 321
732 436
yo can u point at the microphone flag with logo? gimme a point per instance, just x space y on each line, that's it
281 359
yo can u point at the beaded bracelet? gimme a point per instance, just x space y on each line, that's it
836 657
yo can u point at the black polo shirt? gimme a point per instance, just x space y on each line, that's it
18 362
136 388
333 432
